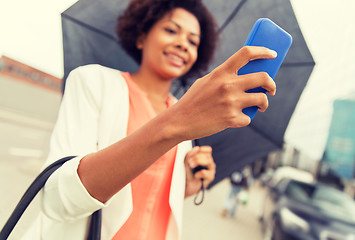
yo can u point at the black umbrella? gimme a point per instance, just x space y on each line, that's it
89 37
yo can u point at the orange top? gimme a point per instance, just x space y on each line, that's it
150 190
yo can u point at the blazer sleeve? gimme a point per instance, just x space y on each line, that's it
75 134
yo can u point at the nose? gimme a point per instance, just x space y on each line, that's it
182 44
181 47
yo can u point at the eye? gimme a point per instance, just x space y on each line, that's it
170 30
193 43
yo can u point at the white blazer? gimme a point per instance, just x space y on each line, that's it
92 116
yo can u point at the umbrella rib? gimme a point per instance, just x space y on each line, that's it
231 16
89 27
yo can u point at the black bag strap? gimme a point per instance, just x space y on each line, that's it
31 192
95 226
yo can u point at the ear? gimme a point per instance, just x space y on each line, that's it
140 42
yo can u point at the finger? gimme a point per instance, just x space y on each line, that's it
242 120
201 159
257 99
258 79
193 152
245 55
198 152
205 149
207 176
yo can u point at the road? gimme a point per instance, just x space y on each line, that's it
24 145
205 221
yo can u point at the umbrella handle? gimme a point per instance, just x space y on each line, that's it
198 168
202 191
195 170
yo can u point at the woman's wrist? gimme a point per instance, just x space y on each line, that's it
171 126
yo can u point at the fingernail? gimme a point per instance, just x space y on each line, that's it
274 92
273 53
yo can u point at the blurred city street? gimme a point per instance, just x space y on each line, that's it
19 165
319 137
205 221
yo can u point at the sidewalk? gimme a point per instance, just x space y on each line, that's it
205 221
15 178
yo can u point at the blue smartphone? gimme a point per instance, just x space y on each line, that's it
265 33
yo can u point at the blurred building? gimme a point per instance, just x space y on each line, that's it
28 95
338 160
340 148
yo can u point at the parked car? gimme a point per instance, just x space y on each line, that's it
298 210
292 173
272 177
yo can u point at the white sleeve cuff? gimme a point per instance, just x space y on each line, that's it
65 197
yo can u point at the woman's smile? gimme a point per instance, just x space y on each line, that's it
175 59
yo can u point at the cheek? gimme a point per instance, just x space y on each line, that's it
194 56
151 53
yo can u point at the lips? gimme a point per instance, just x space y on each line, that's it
175 59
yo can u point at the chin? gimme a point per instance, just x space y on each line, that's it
172 74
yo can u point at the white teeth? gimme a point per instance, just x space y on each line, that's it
176 58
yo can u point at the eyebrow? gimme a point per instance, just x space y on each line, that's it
177 25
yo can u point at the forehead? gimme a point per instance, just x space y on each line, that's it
183 19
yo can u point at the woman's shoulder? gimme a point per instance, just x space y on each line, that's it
95 75
95 69
96 82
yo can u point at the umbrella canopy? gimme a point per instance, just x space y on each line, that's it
89 37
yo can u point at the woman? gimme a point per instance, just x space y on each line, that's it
133 143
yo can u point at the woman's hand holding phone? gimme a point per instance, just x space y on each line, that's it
215 101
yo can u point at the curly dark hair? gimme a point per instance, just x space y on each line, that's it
141 15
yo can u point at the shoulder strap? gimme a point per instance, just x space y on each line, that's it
32 191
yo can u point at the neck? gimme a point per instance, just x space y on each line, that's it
156 88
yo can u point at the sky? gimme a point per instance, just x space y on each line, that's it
30 32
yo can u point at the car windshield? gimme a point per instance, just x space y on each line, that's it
330 201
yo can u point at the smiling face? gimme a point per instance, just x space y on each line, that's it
170 47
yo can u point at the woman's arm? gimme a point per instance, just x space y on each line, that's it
213 103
